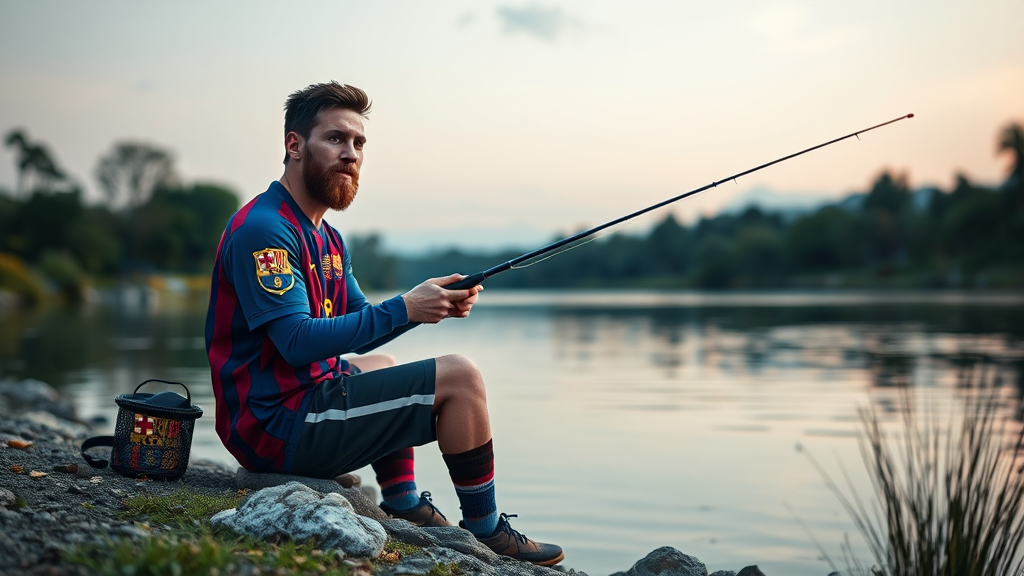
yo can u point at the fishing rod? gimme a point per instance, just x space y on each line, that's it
473 280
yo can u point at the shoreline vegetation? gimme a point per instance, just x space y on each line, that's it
948 485
153 228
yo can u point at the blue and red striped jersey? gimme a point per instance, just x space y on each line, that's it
272 262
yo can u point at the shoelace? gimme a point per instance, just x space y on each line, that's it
430 502
507 528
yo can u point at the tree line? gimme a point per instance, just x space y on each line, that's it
149 220
889 236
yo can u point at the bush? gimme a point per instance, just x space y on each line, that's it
16 278
65 274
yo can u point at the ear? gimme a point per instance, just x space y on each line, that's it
294 145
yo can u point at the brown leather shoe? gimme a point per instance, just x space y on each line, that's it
424 515
507 541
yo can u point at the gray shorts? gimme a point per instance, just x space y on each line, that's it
357 419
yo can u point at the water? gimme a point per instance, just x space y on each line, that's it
624 421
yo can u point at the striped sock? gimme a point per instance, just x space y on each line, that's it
472 473
397 479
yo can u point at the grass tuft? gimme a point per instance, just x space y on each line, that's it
205 551
168 555
394 551
183 506
949 497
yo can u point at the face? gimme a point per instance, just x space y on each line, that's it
332 157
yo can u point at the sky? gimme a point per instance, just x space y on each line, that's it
510 122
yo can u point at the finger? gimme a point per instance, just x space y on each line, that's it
446 279
456 295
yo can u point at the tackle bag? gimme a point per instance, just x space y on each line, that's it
153 434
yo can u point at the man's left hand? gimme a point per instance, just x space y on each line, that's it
461 308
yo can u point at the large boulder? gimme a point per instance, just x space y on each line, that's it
248 480
300 513
666 561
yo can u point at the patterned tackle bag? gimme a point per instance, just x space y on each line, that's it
153 434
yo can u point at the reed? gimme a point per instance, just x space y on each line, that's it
948 496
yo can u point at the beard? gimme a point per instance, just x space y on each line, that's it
329 187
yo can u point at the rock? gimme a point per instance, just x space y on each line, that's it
415 564
300 513
723 573
7 498
408 533
48 422
32 394
667 561
461 541
246 480
751 571
467 564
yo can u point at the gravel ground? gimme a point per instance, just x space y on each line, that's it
72 503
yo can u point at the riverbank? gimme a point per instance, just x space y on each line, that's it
60 516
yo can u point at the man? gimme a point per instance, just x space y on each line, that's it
284 306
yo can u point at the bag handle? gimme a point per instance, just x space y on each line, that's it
188 395
96 442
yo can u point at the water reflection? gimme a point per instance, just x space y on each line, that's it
624 421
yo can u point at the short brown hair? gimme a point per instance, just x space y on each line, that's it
303 107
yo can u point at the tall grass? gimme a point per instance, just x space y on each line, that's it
948 496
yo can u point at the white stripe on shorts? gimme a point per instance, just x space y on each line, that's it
335 414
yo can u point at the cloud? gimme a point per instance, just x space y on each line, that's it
537 21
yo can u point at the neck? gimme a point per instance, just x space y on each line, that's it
295 186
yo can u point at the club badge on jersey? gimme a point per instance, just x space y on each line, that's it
273 271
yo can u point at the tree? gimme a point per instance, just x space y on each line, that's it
33 160
177 230
1011 140
131 171
887 208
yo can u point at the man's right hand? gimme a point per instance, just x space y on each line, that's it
429 303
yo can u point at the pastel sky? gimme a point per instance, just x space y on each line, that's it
510 119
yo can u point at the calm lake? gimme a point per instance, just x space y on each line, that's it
624 421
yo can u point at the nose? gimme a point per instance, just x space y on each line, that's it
348 152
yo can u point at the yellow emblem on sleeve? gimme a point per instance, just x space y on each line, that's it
273 271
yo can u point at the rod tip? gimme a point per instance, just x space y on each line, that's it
911 115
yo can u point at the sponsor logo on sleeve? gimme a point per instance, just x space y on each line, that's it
273 271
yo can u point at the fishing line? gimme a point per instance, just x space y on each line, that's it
516 262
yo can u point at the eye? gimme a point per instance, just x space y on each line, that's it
333 139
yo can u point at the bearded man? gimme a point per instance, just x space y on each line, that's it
284 307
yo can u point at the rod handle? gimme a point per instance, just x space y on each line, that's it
467 282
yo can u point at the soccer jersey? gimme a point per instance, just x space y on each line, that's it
273 263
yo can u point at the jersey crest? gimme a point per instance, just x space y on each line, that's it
325 265
273 271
